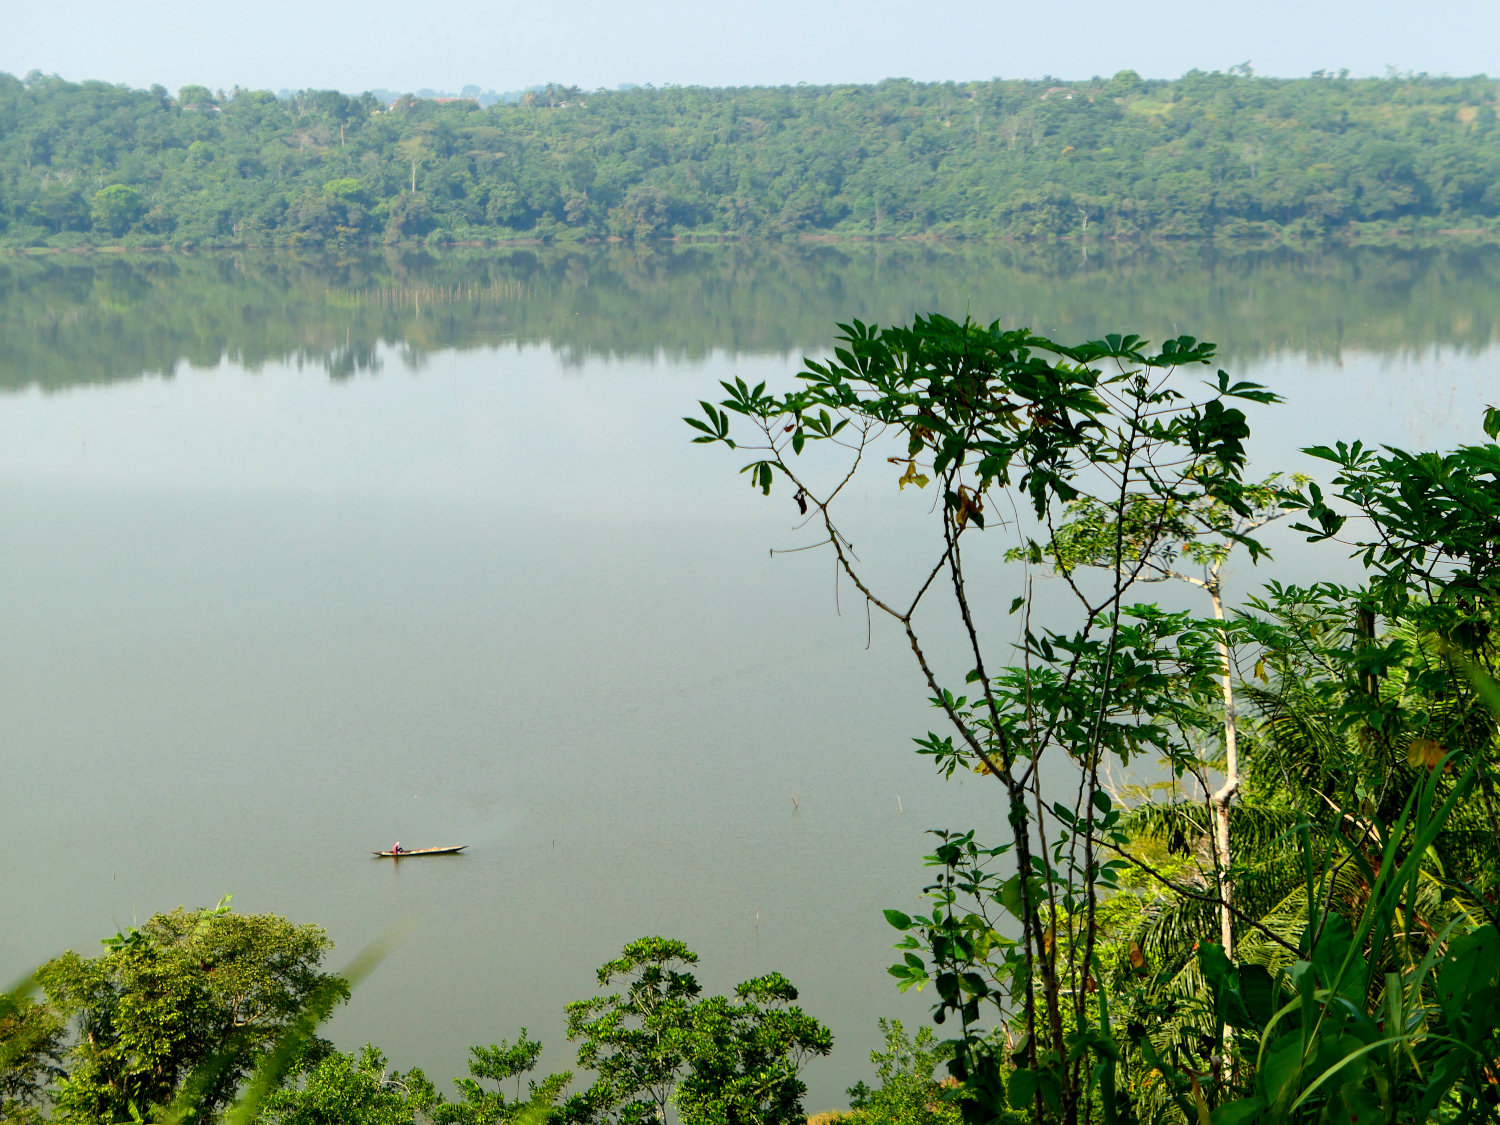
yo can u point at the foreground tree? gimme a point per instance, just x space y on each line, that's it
354 1090
983 412
1369 983
909 1093
717 1061
745 1056
479 1105
202 995
32 1050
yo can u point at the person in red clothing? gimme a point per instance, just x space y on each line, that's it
397 849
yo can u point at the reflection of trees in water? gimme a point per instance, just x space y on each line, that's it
68 321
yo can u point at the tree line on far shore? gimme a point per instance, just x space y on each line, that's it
1222 155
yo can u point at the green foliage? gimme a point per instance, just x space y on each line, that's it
345 188
205 1015
1353 731
193 994
499 1064
1375 996
1152 539
361 1090
354 1090
744 1059
1366 987
908 1093
1334 1035
634 1042
1435 518
719 1061
1228 155
32 1052
987 412
116 207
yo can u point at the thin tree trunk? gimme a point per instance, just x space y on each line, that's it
1225 793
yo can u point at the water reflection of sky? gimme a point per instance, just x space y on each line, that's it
516 426
261 623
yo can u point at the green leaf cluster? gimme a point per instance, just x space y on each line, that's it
354 1090
717 1060
193 998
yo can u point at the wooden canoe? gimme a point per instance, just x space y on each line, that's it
403 853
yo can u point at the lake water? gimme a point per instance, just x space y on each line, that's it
306 555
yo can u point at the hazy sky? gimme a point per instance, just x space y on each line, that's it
510 44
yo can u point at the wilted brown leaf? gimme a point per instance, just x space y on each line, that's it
1425 752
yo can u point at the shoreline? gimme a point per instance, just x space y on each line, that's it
1338 238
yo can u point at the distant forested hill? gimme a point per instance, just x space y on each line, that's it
1220 155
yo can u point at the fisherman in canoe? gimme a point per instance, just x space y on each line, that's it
398 852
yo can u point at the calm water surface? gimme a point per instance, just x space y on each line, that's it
306 556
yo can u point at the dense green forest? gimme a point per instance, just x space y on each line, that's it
67 319
1223 155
